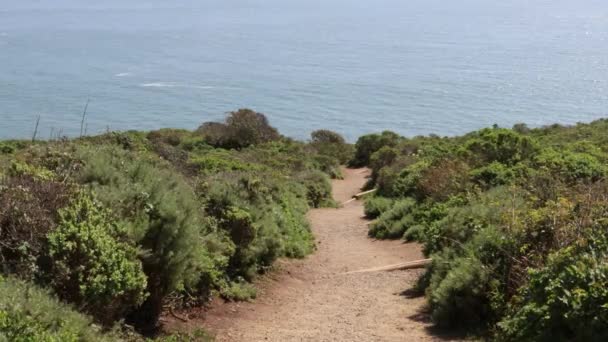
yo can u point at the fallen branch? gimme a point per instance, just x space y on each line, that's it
361 194
358 196
397 267
350 200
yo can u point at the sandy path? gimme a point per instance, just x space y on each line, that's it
312 300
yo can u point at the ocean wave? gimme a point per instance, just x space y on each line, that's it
174 85
123 74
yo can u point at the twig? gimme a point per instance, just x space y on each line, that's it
36 129
84 114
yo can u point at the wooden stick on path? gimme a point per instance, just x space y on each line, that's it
359 195
397 267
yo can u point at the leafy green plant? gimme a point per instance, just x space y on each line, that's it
243 128
564 301
28 313
368 144
91 266
376 206
332 145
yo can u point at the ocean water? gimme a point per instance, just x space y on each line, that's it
354 66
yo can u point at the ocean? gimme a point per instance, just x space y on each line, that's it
353 66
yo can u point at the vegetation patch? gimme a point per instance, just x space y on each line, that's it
514 220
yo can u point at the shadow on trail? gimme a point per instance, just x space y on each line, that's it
423 315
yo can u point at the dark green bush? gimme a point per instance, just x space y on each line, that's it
318 188
394 222
572 166
376 206
493 174
243 128
500 145
265 218
368 144
173 137
90 266
563 301
162 216
331 144
459 298
28 313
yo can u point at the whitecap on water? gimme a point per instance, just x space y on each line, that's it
174 85
123 74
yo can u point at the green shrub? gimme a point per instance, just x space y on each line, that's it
269 212
500 145
328 165
368 144
459 297
493 174
394 222
572 166
219 161
318 188
173 137
564 301
331 144
384 157
28 313
376 206
90 265
239 291
6 149
243 128
162 216
406 185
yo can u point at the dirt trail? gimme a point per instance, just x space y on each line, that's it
313 300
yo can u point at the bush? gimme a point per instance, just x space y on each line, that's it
563 301
168 136
493 174
162 216
376 206
243 128
442 180
368 144
28 211
384 157
501 145
572 166
90 265
394 222
239 291
318 189
459 298
332 145
270 214
28 313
